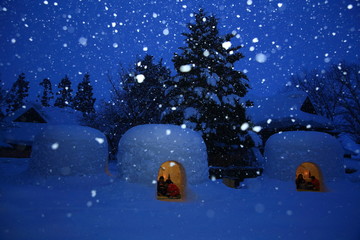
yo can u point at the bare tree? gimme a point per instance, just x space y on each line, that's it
335 94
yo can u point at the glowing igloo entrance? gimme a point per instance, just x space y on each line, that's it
171 181
308 177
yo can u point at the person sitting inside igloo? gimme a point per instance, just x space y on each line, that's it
314 184
172 191
161 187
300 182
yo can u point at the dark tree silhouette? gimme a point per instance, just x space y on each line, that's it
17 94
64 98
83 100
207 90
143 91
47 94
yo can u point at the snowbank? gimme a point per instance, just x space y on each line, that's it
350 145
143 149
285 152
68 150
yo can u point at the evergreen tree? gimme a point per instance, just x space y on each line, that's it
136 98
83 100
64 94
206 92
17 94
47 94
143 94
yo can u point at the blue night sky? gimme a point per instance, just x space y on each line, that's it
54 38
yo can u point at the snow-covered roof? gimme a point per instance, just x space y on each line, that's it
283 111
53 115
17 131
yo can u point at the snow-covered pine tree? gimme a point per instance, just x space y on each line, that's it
47 94
83 100
17 94
206 92
64 98
143 93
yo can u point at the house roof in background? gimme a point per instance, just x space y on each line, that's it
52 115
23 131
283 111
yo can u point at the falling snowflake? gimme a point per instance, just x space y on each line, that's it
166 31
260 57
226 45
245 126
140 78
257 129
206 53
185 68
55 146
83 41
100 140
93 193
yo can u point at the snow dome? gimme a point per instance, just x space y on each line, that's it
68 150
146 151
311 153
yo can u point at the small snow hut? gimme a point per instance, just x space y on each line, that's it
310 153
147 152
68 150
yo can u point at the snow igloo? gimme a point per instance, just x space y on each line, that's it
309 153
148 152
68 150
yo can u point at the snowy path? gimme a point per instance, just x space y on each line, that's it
105 208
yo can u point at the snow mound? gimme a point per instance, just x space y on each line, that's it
144 148
68 150
285 152
350 145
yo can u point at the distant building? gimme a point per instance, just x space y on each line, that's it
17 131
289 111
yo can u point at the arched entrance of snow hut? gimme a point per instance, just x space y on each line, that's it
175 172
307 170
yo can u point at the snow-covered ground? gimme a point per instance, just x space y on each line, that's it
103 207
